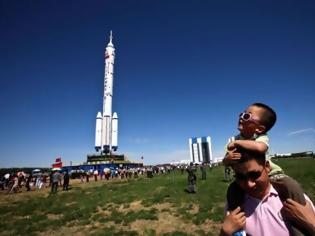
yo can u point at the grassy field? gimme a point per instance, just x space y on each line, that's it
157 206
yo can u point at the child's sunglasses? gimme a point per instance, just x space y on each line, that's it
248 117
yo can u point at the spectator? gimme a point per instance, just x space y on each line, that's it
28 180
55 181
95 173
82 177
227 174
203 171
260 211
66 179
15 186
87 176
191 179
253 124
2 184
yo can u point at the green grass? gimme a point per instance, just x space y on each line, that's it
111 208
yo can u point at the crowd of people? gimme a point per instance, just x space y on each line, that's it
14 182
55 179
122 173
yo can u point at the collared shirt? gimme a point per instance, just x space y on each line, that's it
263 217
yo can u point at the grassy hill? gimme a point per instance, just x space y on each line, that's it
142 206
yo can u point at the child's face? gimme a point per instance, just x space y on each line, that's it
249 121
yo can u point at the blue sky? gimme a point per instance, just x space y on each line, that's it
182 69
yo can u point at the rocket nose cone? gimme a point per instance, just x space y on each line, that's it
99 115
115 115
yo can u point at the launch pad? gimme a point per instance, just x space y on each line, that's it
105 158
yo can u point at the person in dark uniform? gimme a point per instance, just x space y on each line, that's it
28 180
191 170
203 171
66 179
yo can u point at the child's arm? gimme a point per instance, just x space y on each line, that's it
248 144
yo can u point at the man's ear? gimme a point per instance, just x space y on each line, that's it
260 129
267 166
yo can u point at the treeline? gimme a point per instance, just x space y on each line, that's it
303 154
296 154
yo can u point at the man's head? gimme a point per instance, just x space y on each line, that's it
258 118
251 173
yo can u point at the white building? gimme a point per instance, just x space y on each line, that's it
200 150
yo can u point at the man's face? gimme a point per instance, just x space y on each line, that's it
253 178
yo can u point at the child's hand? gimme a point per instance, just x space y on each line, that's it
231 146
233 222
231 157
300 214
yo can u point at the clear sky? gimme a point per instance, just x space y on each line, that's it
182 69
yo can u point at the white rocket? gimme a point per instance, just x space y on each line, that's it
106 131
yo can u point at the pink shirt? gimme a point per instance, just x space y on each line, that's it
263 217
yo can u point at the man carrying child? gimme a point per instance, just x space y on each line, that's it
253 125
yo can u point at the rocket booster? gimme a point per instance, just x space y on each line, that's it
106 131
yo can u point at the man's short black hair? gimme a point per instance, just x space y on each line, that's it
269 117
247 155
